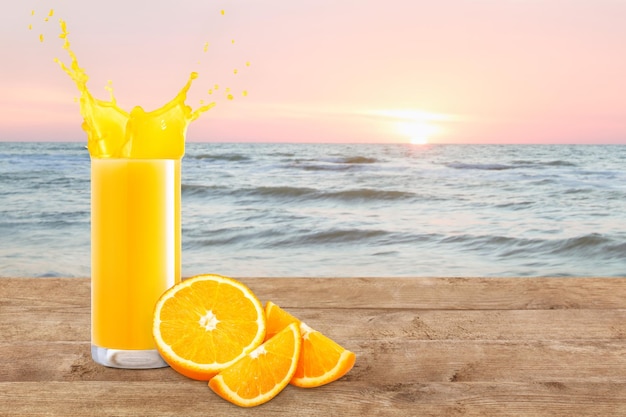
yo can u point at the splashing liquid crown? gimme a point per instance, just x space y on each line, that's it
115 133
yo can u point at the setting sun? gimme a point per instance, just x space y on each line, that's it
417 127
419 141
417 132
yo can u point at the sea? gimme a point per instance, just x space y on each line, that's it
342 210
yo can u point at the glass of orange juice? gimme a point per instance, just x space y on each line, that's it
135 255
135 223
135 215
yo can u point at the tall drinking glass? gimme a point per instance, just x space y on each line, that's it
135 255
135 215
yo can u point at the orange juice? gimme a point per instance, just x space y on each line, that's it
135 226
135 216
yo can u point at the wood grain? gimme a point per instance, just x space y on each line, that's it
425 346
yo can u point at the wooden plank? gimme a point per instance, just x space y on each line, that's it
421 293
32 325
339 399
444 293
383 361
403 324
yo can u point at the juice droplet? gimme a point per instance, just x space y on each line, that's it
222 12
248 64
32 12
232 41
244 93
109 88
235 71
206 46
230 96
41 37
51 13
30 27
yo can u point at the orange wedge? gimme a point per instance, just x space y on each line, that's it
207 323
263 373
322 360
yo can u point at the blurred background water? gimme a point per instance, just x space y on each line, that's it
343 210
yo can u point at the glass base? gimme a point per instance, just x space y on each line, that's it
127 359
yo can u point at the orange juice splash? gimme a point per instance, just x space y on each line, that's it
114 133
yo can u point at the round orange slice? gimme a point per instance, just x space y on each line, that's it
263 373
322 360
207 323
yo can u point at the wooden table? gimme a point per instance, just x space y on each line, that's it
425 346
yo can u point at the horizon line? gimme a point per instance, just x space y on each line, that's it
425 145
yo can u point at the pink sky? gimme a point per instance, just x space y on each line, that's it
445 71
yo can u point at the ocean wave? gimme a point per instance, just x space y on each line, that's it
351 195
516 205
514 165
78 184
333 236
279 192
322 167
591 244
228 157
358 160
334 164
485 167
46 225
275 237
594 244
552 163
578 190
214 239
198 190
543 181
284 192
558 163
368 194
297 193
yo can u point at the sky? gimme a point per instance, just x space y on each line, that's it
362 71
